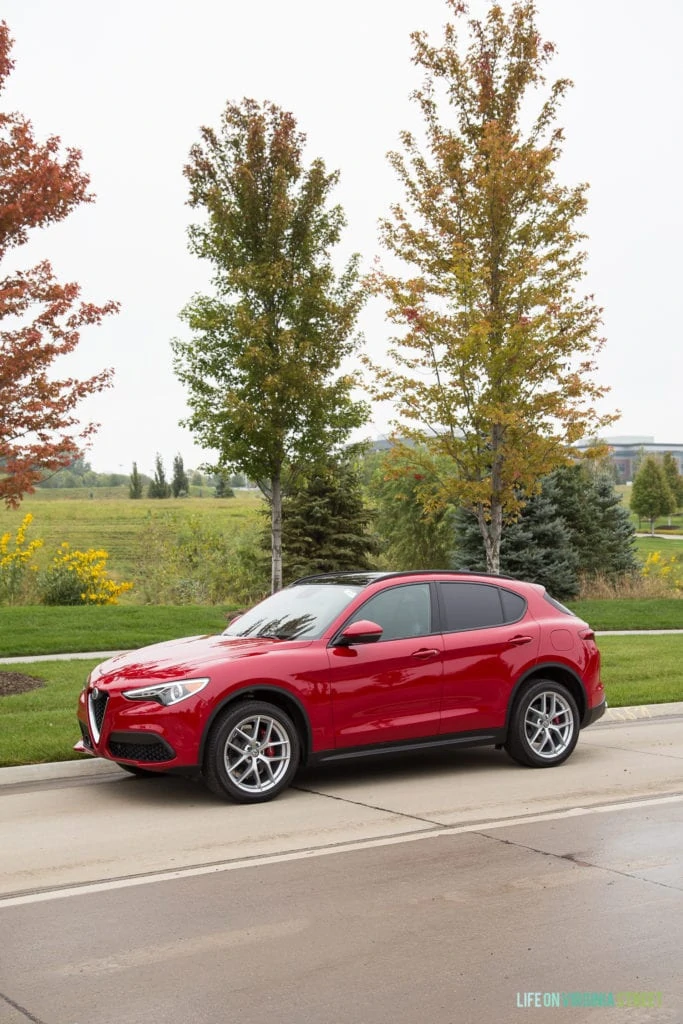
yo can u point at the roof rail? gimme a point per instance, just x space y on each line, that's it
373 576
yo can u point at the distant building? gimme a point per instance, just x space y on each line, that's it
625 453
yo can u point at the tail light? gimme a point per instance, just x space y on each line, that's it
587 634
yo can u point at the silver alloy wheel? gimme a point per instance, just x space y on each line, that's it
257 754
549 724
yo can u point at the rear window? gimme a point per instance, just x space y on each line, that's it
557 605
478 606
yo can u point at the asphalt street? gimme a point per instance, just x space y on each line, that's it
452 888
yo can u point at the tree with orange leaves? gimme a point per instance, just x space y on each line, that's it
40 319
492 371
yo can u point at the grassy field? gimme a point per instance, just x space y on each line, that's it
631 613
114 522
40 726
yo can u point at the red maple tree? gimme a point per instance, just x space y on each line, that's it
40 319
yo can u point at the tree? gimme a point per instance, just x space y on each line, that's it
651 495
493 366
135 486
262 365
536 547
40 319
674 479
223 488
326 524
575 527
414 536
159 486
180 485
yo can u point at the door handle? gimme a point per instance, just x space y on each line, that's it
425 653
519 640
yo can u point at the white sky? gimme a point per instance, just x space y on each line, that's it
130 83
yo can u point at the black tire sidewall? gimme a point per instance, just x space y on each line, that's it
215 775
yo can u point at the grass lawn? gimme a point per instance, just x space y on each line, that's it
631 613
40 725
114 523
53 630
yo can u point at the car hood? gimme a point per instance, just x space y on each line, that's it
181 659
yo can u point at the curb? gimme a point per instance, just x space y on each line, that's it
99 768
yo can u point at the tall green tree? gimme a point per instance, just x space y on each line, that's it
651 495
159 486
179 482
674 479
326 524
493 364
135 485
262 364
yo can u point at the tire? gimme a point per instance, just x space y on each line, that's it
140 773
544 727
252 753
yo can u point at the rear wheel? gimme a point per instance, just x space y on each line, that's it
545 725
252 753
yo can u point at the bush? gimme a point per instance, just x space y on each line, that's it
17 571
79 577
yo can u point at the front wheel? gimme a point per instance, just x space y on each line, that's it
252 753
544 727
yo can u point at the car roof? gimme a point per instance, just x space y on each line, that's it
364 579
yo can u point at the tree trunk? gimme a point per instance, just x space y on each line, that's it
276 533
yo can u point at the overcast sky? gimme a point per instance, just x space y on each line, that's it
130 83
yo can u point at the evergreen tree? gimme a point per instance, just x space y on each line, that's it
599 525
223 488
326 524
180 485
651 495
535 547
159 486
135 486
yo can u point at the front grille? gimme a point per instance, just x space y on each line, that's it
97 707
134 747
87 742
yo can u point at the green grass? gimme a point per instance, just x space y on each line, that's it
40 726
631 613
642 669
646 545
114 523
45 630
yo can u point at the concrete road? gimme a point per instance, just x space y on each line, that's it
450 888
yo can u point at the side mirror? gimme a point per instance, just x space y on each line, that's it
361 632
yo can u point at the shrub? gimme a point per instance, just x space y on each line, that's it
17 571
79 577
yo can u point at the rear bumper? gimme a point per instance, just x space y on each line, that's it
593 714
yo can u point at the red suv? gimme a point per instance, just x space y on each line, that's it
351 664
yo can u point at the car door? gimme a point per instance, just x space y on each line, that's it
390 690
490 640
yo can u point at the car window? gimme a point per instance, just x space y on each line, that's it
400 611
470 606
514 606
302 612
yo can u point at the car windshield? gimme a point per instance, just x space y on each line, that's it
302 612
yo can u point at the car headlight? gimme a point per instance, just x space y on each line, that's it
167 693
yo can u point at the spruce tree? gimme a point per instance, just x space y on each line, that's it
326 524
